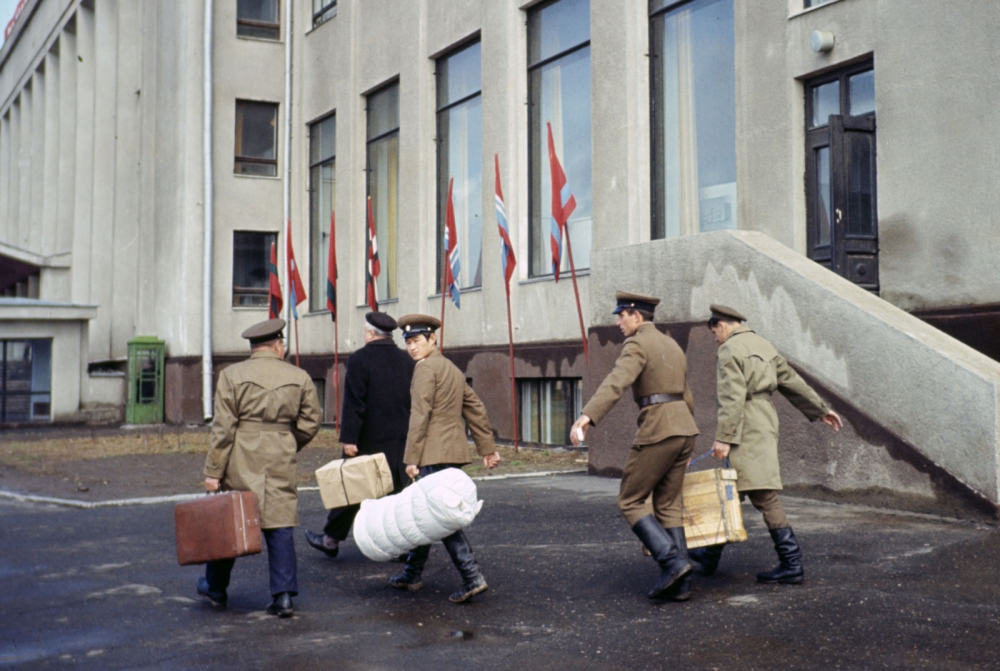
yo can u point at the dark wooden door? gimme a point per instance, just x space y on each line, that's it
841 198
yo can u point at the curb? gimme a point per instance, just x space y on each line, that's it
147 500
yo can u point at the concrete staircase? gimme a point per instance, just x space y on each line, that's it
923 409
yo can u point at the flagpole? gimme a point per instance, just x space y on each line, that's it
296 342
576 291
336 378
513 385
444 290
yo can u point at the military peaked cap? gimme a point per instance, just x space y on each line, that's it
724 312
381 321
630 301
414 325
264 331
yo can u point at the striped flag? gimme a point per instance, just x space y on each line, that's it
296 292
372 265
451 262
274 302
563 204
331 271
506 248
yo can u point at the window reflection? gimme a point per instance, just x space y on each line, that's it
694 130
825 101
460 157
559 94
862 90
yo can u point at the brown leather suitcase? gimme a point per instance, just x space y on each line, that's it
218 526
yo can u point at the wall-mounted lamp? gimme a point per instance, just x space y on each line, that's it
821 41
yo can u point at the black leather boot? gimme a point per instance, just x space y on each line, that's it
281 605
473 581
680 590
409 579
707 558
789 571
673 566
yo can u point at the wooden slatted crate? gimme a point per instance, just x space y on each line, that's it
712 513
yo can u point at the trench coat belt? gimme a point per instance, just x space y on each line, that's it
256 425
758 394
653 399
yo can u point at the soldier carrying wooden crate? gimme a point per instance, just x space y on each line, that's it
654 365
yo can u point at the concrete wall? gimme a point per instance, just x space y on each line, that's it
66 326
932 392
936 100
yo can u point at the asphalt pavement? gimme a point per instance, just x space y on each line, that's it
99 587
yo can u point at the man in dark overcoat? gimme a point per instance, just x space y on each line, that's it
374 417
266 410
654 366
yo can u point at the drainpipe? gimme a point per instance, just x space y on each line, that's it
287 207
207 227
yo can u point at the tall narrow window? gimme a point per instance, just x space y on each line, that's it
257 18
559 94
383 180
460 157
692 117
322 203
25 380
256 138
251 256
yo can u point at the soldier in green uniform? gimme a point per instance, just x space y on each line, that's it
654 365
266 410
749 370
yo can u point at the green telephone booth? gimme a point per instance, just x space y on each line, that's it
145 381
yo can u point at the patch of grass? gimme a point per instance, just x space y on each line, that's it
37 455
45 452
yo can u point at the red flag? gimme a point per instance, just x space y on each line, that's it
563 204
372 265
296 292
451 265
506 248
274 288
331 272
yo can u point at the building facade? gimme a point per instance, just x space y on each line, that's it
151 154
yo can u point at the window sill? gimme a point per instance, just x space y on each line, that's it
810 10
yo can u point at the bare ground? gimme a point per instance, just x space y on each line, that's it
101 464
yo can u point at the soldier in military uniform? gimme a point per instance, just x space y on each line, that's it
749 370
374 418
654 365
266 410
440 400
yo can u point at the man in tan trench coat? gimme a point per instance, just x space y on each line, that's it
440 400
266 410
749 370
654 365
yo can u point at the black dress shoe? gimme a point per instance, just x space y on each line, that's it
217 599
281 605
316 540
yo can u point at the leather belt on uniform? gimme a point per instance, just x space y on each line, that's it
653 399
253 424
